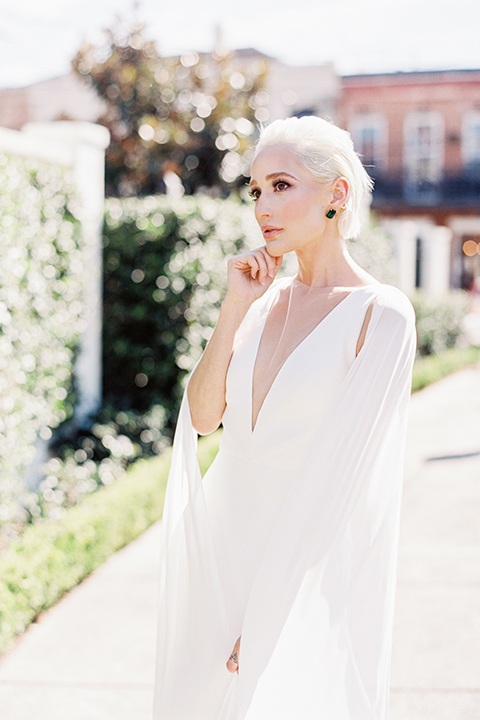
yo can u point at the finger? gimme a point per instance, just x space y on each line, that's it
232 663
254 265
277 264
273 263
268 260
233 660
263 267
247 264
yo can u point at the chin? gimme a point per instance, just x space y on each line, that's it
274 252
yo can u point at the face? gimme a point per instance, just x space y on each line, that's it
290 205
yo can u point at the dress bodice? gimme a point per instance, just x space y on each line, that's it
303 388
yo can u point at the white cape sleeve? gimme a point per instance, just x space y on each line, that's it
190 593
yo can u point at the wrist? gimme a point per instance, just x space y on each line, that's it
234 307
231 301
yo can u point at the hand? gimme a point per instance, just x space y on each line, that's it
233 660
251 274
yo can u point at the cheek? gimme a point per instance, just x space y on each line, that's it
293 210
308 212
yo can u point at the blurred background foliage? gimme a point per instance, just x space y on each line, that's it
194 116
41 319
440 321
164 279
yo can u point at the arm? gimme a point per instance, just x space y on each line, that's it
249 276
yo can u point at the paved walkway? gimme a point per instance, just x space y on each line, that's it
92 656
436 658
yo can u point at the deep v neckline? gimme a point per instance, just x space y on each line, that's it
253 425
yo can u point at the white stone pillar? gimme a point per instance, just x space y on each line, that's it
436 241
87 143
404 237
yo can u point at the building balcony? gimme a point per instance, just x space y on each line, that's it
453 191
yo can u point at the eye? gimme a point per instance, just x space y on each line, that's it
254 193
281 185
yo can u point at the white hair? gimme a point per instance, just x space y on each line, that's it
327 152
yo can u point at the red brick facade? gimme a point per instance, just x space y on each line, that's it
434 116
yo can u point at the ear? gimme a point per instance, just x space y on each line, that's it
339 189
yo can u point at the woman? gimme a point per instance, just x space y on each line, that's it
281 562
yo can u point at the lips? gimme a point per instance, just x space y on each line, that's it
269 231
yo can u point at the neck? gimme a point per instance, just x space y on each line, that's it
326 264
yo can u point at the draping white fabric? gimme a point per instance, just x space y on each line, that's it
291 538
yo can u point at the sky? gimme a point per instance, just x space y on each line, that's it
38 38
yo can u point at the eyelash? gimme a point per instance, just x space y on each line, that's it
255 193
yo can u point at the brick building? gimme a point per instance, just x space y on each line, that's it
419 135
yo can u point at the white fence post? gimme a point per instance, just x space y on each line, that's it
436 263
86 144
404 236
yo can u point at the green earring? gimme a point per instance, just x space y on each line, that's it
331 213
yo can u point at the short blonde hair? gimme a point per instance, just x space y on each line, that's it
327 152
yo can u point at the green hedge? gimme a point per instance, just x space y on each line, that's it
439 320
431 368
52 557
41 318
164 278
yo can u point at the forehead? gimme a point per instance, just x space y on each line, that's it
276 159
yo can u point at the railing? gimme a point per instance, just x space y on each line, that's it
453 191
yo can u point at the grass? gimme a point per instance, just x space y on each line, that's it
432 368
52 557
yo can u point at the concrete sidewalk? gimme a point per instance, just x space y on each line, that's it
436 656
91 657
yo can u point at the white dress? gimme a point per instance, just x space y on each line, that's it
291 538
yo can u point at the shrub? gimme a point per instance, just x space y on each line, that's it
165 276
52 557
41 309
87 459
439 320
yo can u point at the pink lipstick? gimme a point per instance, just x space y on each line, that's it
269 231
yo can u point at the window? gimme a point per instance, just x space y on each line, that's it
423 155
471 144
369 134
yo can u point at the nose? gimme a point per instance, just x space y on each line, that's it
262 207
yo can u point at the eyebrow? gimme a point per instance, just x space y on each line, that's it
274 175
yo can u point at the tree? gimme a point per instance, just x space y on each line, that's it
195 115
